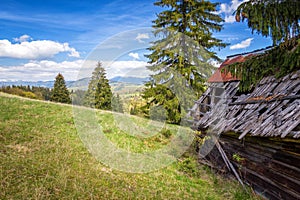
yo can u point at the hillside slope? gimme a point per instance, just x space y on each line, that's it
41 156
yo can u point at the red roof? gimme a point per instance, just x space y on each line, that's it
219 76
229 61
225 76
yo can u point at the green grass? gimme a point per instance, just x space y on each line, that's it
42 157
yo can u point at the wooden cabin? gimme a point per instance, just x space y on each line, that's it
257 132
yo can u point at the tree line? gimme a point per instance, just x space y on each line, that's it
98 95
33 92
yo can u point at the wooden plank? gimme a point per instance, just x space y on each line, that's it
295 75
292 125
291 113
256 154
272 87
296 90
269 186
244 133
280 89
295 134
290 88
265 101
284 184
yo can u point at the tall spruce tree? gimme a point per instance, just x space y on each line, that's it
99 93
276 18
180 58
60 92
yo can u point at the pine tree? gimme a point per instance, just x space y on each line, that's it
276 18
60 92
99 93
163 96
180 58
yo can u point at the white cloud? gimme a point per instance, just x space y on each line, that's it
41 70
72 70
142 36
228 9
38 49
23 38
214 63
127 68
229 19
134 56
243 44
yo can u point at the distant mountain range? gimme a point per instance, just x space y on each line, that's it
48 84
81 83
129 79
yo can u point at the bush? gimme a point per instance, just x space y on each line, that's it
29 95
166 133
188 166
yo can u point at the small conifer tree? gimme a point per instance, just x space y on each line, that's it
99 93
60 92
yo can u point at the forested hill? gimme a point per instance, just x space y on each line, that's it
79 83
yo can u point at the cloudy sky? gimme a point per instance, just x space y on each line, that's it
39 39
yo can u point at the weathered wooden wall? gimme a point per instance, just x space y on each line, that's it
271 165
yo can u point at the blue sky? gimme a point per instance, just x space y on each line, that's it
39 39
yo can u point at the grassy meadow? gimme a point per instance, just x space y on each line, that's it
42 157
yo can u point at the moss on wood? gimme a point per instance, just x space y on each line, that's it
279 61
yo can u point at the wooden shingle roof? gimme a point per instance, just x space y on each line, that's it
271 110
